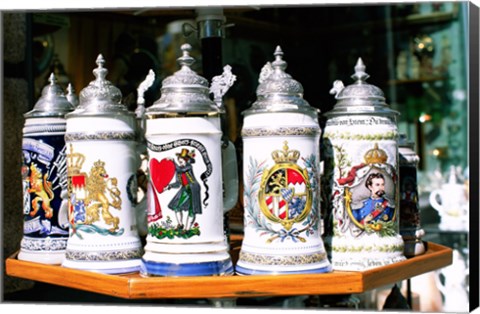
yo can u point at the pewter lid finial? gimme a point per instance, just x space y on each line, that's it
186 59
360 75
100 71
279 62
52 102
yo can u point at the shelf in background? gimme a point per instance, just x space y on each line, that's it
416 81
133 286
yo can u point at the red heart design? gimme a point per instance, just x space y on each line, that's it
161 173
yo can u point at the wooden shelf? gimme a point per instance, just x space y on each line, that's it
133 286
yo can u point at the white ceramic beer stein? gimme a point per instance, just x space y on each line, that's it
361 170
102 161
44 174
186 195
451 203
281 179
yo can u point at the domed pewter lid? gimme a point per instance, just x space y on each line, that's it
100 97
185 91
278 91
359 97
52 102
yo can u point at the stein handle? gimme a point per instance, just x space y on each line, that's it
230 177
141 206
434 202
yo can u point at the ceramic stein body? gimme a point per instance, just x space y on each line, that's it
281 180
451 203
102 162
410 227
44 173
361 172
185 191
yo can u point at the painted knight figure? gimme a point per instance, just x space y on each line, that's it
361 165
186 158
281 179
44 177
410 227
102 162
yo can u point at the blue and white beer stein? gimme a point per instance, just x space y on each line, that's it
102 161
44 173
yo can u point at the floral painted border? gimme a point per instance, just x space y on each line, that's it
47 244
390 135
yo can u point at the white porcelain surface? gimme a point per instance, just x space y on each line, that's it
362 241
180 150
281 193
102 164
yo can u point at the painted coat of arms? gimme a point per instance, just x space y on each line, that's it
44 187
92 197
279 200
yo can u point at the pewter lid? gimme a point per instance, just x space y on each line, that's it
52 102
185 91
359 97
100 97
278 91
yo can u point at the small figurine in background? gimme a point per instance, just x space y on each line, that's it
424 49
446 56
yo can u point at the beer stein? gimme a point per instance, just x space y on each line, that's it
281 175
102 161
361 171
186 199
410 227
451 203
44 175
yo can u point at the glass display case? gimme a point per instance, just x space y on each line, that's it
417 53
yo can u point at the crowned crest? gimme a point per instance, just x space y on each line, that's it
285 155
74 162
376 155
285 194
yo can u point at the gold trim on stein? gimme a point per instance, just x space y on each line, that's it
295 260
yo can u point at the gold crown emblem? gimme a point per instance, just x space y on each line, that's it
285 155
74 162
99 164
375 155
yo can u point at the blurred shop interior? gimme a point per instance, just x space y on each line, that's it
417 53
